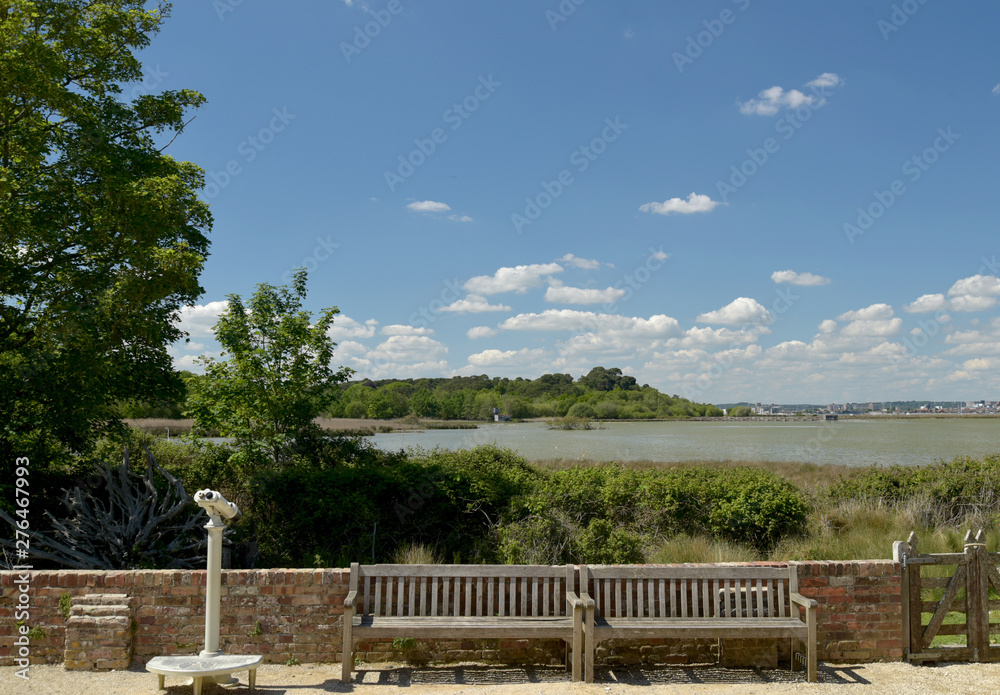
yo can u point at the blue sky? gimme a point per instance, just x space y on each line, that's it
731 200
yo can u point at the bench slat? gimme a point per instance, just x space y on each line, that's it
378 596
462 570
687 571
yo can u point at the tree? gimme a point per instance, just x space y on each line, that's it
102 235
277 378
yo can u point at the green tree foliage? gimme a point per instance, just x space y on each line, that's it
277 377
102 235
602 393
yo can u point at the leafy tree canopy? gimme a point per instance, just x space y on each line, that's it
277 377
102 235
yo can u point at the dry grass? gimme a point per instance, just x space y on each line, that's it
415 554
699 549
161 426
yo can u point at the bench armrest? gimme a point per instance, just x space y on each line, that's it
588 602
575 601
351 598
807 603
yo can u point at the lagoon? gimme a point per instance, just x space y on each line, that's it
849 441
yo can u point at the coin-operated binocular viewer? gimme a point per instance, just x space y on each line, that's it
211 664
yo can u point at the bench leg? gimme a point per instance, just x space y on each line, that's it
252 678
578 652
197 685
347 649
159 681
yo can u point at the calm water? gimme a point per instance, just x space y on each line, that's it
850 442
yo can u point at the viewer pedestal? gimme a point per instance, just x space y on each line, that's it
200 668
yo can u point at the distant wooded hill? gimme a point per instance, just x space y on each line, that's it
603 394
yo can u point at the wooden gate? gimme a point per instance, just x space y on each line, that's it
947 602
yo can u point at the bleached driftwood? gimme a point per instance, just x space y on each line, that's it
131 525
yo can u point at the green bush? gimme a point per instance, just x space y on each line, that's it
581 410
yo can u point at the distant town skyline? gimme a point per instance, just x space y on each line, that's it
783 201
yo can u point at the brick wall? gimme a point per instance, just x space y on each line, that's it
299 614
860 609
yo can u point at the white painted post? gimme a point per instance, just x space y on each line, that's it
217 507
213 598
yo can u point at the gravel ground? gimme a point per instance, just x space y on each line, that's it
310 679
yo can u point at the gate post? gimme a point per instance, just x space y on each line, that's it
914 607
977 613
900 552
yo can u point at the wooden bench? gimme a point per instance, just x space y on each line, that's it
726 602
463 602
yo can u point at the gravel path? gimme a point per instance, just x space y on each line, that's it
311 679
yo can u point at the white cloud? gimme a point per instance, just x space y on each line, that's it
709 337
925 303
980 364
493 358
517 279
481 332
996 91
585 263
198 320
574 320
474 304
428 206
972 303
976 286
827 327
345 327
460 218
873 327
557 293
411 349
774 99
873 312
740 311
802 279
695 203
827 79
660 256
397 329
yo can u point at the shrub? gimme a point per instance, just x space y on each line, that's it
581 410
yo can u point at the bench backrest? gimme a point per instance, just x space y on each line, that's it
462 590
635 591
